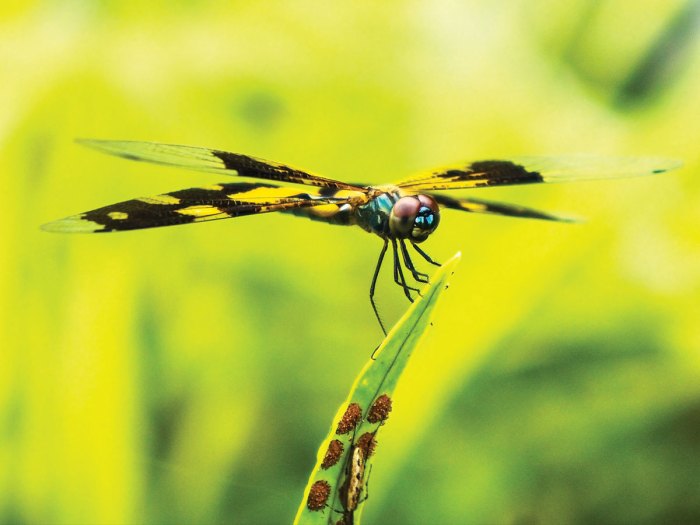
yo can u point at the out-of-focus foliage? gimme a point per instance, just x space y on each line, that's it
187 374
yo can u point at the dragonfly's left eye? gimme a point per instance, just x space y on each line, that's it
414 217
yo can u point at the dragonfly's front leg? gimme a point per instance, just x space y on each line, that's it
418 276
424 255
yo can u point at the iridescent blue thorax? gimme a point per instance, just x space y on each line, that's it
374 216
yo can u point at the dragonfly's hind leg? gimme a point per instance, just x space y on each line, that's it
418 276
424 255
374 283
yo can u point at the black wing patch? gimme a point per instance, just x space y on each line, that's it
474 175
532 170
220 201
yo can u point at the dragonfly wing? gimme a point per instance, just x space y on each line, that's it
212 160
220 201
532 170
496 208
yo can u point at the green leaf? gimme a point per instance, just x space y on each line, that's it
357 426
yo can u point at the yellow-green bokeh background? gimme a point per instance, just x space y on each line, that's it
187 374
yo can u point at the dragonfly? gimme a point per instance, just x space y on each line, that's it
402 215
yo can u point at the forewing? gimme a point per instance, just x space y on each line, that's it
496 208
212 160
220 201
533 170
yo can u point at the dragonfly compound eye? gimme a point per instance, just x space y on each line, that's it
426 220
403 215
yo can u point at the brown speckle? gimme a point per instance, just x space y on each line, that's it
318 495
350 418
367 443
335 450
380 409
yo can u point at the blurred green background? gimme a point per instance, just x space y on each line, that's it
187 374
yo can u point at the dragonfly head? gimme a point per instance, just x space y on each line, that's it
414 217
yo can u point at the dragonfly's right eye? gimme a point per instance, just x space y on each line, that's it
425 223
427 218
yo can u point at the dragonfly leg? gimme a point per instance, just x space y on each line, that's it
418 276
374 283
398 273
424 255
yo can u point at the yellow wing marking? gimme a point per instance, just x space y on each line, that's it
202 210
264 193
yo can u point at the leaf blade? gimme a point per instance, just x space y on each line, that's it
378 377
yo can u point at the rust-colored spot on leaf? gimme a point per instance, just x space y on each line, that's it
335 450
318 495
352 415
367 443
380 409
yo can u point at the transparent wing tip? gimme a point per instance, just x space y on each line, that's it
593 167
121 148
94 143
73 224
